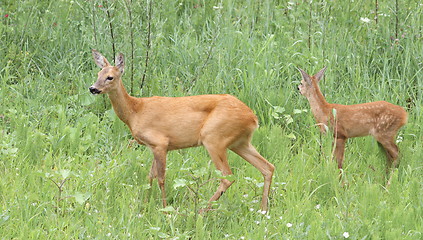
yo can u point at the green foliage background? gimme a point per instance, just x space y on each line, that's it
68 170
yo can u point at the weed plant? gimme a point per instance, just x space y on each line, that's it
68 169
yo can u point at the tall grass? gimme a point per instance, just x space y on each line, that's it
69 171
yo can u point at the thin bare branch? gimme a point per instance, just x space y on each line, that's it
148 45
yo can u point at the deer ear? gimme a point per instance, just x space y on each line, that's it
320 74
99 59
120 62
306 77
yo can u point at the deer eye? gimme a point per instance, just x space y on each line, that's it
109 78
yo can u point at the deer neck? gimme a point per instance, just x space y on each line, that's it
122 103
320 108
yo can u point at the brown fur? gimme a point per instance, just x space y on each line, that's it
380 119
219 122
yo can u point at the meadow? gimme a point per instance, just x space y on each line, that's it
68 167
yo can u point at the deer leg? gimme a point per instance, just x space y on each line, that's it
392 151
151 176
153 172
159 169
219 157
339 150
249 153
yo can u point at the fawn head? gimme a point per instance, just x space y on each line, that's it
109 76
309 84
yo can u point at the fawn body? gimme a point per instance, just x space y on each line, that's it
381 119
218 122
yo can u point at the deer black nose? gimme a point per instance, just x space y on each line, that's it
94 90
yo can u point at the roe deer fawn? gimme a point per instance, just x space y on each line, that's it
380 119
218 122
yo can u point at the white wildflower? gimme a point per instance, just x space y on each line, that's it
365 20
346 235
289 225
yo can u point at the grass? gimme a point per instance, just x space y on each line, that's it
68 170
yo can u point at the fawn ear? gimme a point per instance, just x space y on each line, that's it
306 77
320 74
120 62
99 59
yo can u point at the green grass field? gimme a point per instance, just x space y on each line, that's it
69 171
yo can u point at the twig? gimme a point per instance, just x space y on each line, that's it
128 4
147 53
376 11
309 27
109 17
396 18
94 26
211 179
209 53
55 183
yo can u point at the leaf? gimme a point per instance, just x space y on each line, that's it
110 114
3 218
291 136
298 111
73 98
200 172
86 99
168 209
275 115
81 198
10 151
162 235
180 182
248 179
279 109
65 173
288 119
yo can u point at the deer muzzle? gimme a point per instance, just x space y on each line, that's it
94 90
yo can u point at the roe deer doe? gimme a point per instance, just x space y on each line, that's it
218 122
380 119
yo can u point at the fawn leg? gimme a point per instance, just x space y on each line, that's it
339 150
392 151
